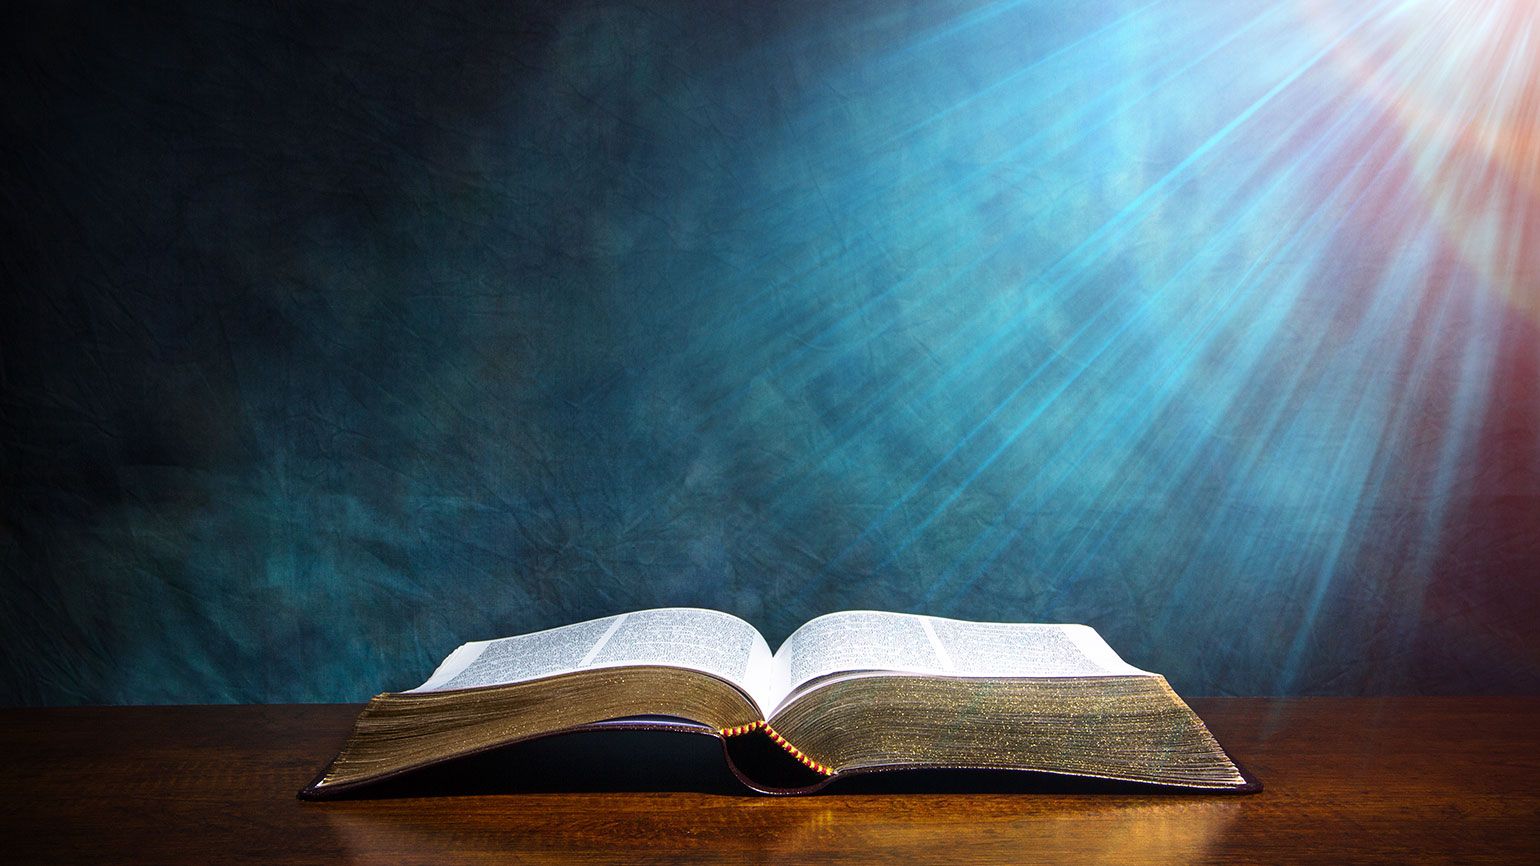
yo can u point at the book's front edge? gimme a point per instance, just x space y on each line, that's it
316 791
822 776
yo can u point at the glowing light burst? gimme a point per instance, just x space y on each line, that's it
1471 108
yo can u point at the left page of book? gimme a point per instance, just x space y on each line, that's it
709 641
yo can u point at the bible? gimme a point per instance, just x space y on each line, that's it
846 693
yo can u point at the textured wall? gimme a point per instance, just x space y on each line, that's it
335 337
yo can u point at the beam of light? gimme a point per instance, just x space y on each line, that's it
1067 268
1328 141
1474 114
1186 316
1087 119
1140 412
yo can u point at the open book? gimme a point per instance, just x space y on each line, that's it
848 692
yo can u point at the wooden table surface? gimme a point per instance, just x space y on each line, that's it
1347 780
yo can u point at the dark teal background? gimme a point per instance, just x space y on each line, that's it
337 336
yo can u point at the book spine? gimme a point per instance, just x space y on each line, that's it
779 740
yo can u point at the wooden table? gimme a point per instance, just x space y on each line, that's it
1347 780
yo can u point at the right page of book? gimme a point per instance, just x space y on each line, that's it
868 640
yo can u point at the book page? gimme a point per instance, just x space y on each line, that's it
703 640
905 643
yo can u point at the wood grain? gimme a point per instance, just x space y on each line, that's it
1348 780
